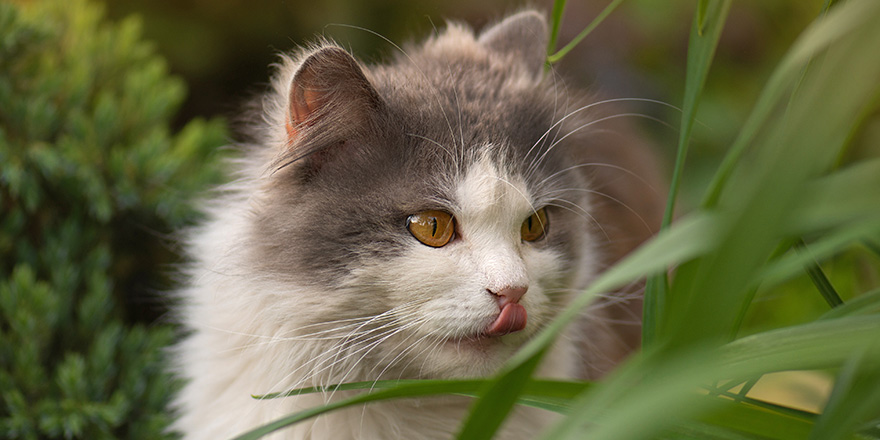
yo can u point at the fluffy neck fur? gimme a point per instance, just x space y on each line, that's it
305 275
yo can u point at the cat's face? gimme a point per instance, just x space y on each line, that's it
429 206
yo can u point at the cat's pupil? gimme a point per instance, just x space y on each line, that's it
433 228
535 226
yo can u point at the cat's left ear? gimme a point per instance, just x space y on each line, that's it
523 35
329 89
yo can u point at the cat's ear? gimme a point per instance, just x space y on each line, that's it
523 35
329 87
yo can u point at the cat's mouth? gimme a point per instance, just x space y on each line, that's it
512 318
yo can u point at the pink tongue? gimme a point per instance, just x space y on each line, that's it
511 319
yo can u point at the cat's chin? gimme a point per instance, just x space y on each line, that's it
478 355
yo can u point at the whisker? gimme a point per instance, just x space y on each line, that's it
533 166
587 107
609 197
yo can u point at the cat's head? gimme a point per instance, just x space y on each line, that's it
430 207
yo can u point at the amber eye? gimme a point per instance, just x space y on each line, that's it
433 228
534 227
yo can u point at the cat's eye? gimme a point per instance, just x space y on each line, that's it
535 226
433 228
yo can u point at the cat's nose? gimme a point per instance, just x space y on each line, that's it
510 294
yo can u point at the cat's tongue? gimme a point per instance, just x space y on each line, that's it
511 319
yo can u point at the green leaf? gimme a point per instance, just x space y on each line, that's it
866 303
817 276
497 398
854 400
556 22
705 32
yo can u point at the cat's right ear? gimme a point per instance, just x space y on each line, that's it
524 36
329 89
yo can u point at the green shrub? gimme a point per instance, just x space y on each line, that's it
90 176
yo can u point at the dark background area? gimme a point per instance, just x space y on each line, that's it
223 48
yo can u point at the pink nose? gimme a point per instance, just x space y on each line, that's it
510 294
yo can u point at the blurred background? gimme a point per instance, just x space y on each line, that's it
223 50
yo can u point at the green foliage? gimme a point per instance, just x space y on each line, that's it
90 174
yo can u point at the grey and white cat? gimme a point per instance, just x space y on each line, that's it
420 219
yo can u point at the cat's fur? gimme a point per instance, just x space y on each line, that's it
305 273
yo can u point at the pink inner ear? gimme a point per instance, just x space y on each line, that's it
303 104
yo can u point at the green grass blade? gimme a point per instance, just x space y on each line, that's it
555 23
497 399
553 395
758 421
792 264
866 303
593 24
702 6
701 50
845 196
412 389
653 306
817 276
369 386
537 390
812 346
705 32
854 400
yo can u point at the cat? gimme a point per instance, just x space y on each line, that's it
418 219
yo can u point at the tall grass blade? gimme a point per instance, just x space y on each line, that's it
555 24
758 421
702 5
497 399
866 303
854 400
705 32
410 389
701 51
833 242
553 395
848 195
